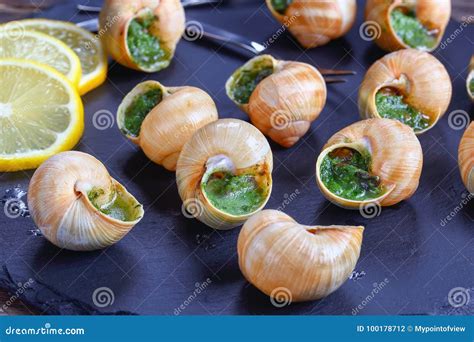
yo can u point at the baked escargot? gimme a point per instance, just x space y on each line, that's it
161 119
78 206
408 85
418 24
224 173
143 34
315 22
282 98
371 161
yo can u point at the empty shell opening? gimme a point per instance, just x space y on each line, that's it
139 108
391 104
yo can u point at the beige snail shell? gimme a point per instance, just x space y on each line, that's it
227 145
432 14
177 114
167 25
470 80
466 158
284 104
316 22
395 157
284 258
64 198
418 76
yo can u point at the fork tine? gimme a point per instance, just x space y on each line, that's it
334 80
336 72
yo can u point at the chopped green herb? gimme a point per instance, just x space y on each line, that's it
119 208
235 195
411 31
471 86
281 5
346 173
392 107
246 80
139 109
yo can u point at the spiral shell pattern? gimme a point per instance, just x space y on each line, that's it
293 262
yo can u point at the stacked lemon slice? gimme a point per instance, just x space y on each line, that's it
44 66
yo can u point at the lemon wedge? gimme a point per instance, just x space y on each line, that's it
41 114
87 46
41 48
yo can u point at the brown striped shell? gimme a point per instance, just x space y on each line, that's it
114 20
316 22
432 14
59 204
418 76
293 262
395 153
466 158
172 122
284 104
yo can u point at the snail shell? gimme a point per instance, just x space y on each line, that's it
276 254
418 76
168 26
180 112
396 158
466 158
284 104
229 145
432 14
470 80
58 199
316 22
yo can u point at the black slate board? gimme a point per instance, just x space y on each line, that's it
156 267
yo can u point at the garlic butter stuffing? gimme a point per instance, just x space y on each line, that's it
224 173
78 206
408 85
374 160
470 80
314 22
401 24
309 262
282 98
161 119
142 35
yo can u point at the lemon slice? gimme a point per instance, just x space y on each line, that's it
44 49
87 46
41 114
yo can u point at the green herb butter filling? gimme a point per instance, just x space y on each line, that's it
346 173
281 5
144 48
471 86
121 207
391 105
411 31
235 195
246 80
139 108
